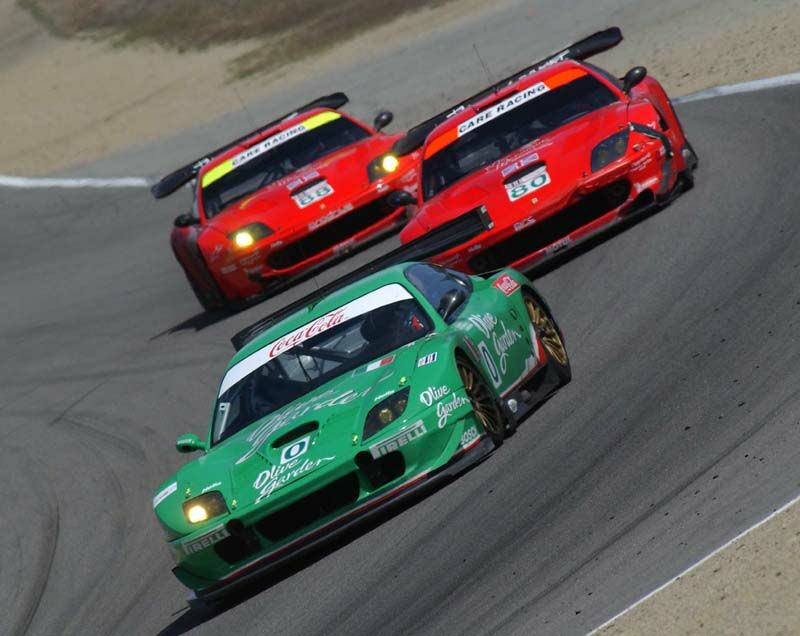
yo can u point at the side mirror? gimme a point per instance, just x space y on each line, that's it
400 199
186 220
451 301
189 443
632 78
383 119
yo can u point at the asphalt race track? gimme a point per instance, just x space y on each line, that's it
680 428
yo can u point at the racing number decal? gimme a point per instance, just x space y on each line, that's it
529 183
488 361
314 193
295 450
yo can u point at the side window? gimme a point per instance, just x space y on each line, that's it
601 71
438 285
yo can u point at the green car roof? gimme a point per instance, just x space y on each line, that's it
394 274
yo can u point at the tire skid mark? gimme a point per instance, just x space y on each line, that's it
47 538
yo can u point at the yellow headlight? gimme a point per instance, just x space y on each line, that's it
389 163
385 415
243 239
196 514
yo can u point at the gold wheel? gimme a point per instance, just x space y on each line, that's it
546 330
483 402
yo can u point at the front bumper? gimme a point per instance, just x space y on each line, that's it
260 537
282 257
620 191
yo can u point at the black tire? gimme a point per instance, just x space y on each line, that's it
692 161
549 334
210 299
484 402
207 292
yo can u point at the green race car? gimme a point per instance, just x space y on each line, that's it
350 403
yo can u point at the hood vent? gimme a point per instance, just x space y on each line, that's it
295 433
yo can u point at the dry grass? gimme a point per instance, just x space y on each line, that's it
287 30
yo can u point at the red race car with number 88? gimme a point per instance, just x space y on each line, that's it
284 199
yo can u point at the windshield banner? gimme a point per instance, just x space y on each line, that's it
381 297
268 144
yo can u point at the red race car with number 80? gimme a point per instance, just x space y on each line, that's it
547 158
286 198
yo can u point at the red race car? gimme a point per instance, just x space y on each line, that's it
547 158
286 198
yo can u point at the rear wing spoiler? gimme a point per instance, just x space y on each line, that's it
455 232
589 46
184 175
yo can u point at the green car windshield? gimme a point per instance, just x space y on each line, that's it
299 362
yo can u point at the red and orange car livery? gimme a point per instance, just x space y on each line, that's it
548 158
290 196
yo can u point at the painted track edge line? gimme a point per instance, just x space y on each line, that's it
45 182
743 87
8 181
692 567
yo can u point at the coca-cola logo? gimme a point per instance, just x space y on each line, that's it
318 326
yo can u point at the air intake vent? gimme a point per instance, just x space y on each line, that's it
295 433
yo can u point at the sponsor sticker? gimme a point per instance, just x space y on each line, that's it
268 481
506 284
433 394
428 359
381 297
216 484
165 493
330 216
295 450
446 408
266 145
524 223
312 194
395 442
380 363
206 541
559 245
469 435
295 183
527 184
510 103
520 163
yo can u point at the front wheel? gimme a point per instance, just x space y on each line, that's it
482 399
549 336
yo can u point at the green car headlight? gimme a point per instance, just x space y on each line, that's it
246 236
609 150
205 507
385 412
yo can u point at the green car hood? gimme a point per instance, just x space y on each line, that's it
321 427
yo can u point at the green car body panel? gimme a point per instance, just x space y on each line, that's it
296 475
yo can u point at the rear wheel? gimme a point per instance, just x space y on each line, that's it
691 160
549 335
482 399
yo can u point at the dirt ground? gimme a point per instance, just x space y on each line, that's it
751 587
69 102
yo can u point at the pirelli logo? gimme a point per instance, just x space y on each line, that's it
395 442
206 541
